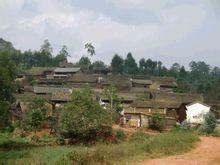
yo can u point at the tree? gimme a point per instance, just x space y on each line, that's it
90 49
142 65
117 64
46 48
83 117
111 94
84 63
209 124
130 65
98 64
36 117
7 87
33 118
175 69
62 56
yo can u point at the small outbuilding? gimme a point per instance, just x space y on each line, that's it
195 112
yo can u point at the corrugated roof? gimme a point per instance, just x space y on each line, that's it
67 70
50 90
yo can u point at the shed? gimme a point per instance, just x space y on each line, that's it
195 112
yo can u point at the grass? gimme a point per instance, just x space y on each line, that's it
138 146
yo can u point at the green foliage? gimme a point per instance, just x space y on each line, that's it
36 117
90 49
130 65
98 64
7 87
60 140
83 117
158 122
119 135
8 142
117 64
111 94
209 124
139 137
154 146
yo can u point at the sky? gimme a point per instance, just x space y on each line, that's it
166 30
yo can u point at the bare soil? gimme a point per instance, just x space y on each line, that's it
207 152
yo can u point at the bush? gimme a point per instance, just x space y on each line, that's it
120 135
154 146
83 118
209 124
158 122
60 140
139 137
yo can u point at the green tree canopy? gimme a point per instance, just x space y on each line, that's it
83 117
117 64
7 76
130 65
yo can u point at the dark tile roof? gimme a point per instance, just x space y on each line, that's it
35 71
66 70
142 81
83 78
50 90
156 104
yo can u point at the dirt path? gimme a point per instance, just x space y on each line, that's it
206 153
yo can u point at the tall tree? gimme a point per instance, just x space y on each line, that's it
62 56
46 48
130 65
117 64
142 65
7 75
90 49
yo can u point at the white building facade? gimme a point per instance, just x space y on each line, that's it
195 112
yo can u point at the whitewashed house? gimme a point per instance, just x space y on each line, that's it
195 112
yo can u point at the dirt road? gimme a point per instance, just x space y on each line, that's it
207 152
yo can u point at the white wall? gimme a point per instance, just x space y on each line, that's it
195 113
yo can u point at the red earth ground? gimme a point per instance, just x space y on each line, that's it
207 152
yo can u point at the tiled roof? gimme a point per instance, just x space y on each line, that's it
156 104
67 70
142 81
83 78
35 71
50 90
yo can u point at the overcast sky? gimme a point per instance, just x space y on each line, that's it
167 30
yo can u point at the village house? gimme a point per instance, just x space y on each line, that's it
101 70
44 90
122 83
64 72
81 80
195 112
39 72
139 113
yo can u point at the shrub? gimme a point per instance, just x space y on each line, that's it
209 124
120 135
83 118
60 140
139 137
158 122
